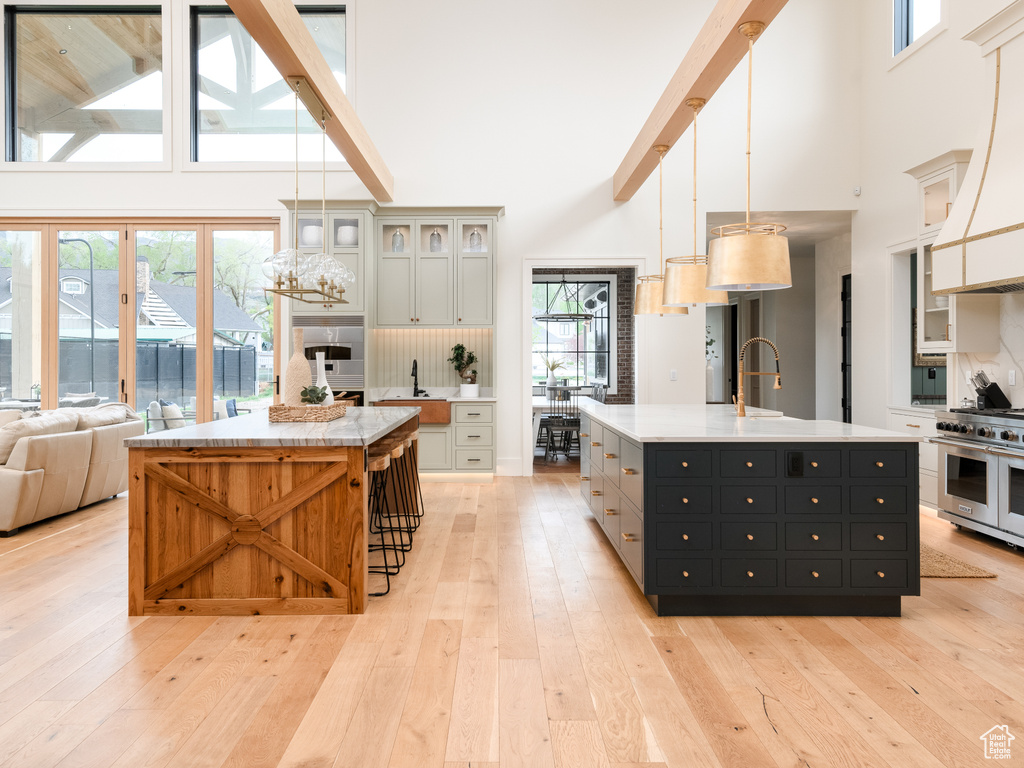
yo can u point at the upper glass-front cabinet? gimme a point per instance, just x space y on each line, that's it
476 237
434 238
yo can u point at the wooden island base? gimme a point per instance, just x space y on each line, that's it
239 531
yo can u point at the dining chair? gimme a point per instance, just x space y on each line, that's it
563 426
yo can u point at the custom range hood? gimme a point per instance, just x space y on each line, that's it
980 248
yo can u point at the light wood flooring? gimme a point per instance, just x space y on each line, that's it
513 637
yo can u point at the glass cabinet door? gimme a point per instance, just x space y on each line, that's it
933 313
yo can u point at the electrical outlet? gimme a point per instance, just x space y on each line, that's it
672 375
1012 376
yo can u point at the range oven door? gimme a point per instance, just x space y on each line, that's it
968 478
1011 492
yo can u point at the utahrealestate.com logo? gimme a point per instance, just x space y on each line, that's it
997 743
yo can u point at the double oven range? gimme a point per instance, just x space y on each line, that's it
981 471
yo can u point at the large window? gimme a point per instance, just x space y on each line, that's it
87 86
242 109
911 19
585 348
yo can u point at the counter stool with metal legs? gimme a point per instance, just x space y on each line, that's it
379 466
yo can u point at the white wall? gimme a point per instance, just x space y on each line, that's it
789 322
533 105
831 262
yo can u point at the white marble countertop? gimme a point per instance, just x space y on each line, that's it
359 426
719 423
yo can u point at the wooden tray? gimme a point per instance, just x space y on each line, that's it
315 413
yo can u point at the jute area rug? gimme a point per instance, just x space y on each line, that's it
938 565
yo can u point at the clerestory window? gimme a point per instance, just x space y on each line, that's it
912 19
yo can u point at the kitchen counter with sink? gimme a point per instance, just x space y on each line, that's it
714 514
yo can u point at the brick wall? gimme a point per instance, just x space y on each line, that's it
625 280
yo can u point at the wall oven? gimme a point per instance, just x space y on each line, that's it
342 340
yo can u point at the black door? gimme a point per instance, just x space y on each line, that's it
847 349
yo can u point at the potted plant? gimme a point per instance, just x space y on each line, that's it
709 370
463 360
313 395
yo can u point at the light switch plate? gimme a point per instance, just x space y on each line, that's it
1012 375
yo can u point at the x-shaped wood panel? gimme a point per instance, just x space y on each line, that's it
246 530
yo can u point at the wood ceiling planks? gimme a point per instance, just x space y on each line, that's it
715 52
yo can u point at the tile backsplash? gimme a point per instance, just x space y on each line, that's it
998 365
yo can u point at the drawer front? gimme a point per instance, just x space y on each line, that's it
684 499
683 464
878 463
684 536
608 513
684 572
631 542
468 437
595 499
631 472
749 572
814 463
878 500
878 536
881 574
814 573
749 536
814 537
585 424
585 466
814 499
610 456
471 413
754 499
742 464
585 484
469 458
594 446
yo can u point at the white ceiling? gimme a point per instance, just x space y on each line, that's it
803 228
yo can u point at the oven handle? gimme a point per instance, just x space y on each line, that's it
957 444
1008 454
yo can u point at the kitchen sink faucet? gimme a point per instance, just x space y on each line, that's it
740 409
416 391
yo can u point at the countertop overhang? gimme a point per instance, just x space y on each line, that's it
359 426
719 423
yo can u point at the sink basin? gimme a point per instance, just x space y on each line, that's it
413 399
433 410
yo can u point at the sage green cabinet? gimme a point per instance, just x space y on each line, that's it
415 273
475 272
344 239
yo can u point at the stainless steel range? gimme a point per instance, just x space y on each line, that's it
981 471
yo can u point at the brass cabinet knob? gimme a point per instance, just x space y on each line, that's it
750 574
686 463
750 463
880 500
749 500
594 445
609 511
686 574
750 537
628 537
595 493
628 471
879 464
584 479
814 574
685 500
686 537
609 455
814 499
815 536
880 574
814 464
880 537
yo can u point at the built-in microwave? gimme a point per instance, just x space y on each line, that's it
342 340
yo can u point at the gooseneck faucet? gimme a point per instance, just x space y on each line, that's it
740 409
416 391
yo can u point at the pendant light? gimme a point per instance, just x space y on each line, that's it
291 270
569 300
686 276
749 257
650 288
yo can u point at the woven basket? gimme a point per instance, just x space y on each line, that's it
317 413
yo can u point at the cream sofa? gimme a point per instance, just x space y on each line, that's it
57 461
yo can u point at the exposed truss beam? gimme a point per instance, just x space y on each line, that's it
714 54
278 29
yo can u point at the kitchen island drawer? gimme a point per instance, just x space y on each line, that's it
814 499
750 572
684 499
814 537
748 463
755 499
684 572
593 446
473 413
878 463
687 463
814 573
608 512
879 500
631 543
610 457
749 536
684 536
882 574
814 463
878 536
631 472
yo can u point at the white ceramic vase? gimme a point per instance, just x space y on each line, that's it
321 379
551 383
296 374
469 390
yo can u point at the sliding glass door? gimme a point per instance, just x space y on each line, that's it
21 321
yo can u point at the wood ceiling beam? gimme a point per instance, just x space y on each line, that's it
278 29
714 54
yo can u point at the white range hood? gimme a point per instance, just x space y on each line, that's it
981 246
